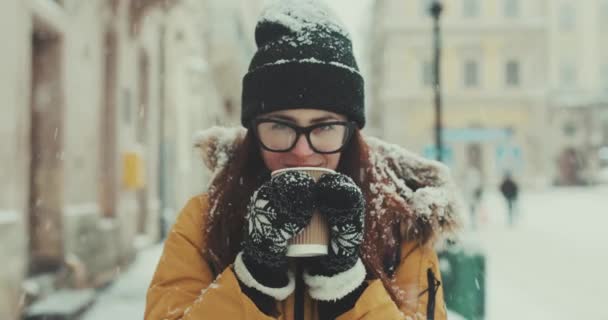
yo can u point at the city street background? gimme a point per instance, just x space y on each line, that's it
102 99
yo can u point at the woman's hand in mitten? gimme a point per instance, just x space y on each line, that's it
278 210
341 201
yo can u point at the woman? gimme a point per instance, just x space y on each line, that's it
303 106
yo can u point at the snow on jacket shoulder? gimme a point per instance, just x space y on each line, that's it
184 287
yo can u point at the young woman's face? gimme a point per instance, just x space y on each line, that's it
301 155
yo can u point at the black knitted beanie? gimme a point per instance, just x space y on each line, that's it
304 60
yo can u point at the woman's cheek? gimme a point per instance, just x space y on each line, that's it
332 161
271 160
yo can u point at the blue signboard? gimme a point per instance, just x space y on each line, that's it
447 154
475 134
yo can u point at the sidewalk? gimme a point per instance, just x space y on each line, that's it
125 298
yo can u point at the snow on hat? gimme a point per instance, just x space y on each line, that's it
304 60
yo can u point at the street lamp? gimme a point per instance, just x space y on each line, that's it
435 10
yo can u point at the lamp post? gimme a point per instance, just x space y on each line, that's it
435 10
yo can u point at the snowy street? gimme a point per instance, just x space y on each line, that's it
552 265
126 297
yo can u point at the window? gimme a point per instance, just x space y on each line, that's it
127 107
568 74
603 15
512 77
425 7
511 8
427 74
604 77
471 73
569 129
470 8
567 17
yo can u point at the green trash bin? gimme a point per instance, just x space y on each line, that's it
463 274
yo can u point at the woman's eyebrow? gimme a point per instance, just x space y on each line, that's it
322 119
282 117
294 120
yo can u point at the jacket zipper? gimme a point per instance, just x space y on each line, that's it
299 294
433 284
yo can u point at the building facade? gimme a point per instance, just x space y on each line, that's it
508 68
102 99
493 76
578 90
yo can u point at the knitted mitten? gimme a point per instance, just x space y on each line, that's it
334 276
278 210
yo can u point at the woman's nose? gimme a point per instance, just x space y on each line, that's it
302 148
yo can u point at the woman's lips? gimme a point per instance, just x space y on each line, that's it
302 165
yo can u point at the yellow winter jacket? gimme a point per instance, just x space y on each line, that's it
184 286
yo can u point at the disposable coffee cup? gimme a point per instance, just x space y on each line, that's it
313 239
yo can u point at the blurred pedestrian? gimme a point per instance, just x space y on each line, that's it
302 106
509 190
473 189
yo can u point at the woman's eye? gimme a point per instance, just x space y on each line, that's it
328 127
278 126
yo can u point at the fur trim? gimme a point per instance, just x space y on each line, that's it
425 186
245 276
217 145
338 286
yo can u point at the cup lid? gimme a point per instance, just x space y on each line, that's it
302 169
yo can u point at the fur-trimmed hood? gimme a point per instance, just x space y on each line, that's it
425 185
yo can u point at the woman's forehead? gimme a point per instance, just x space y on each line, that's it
305 116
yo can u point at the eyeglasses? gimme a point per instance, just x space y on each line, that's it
281 136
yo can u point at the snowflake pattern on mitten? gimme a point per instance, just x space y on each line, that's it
278 210
346 239
342 202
